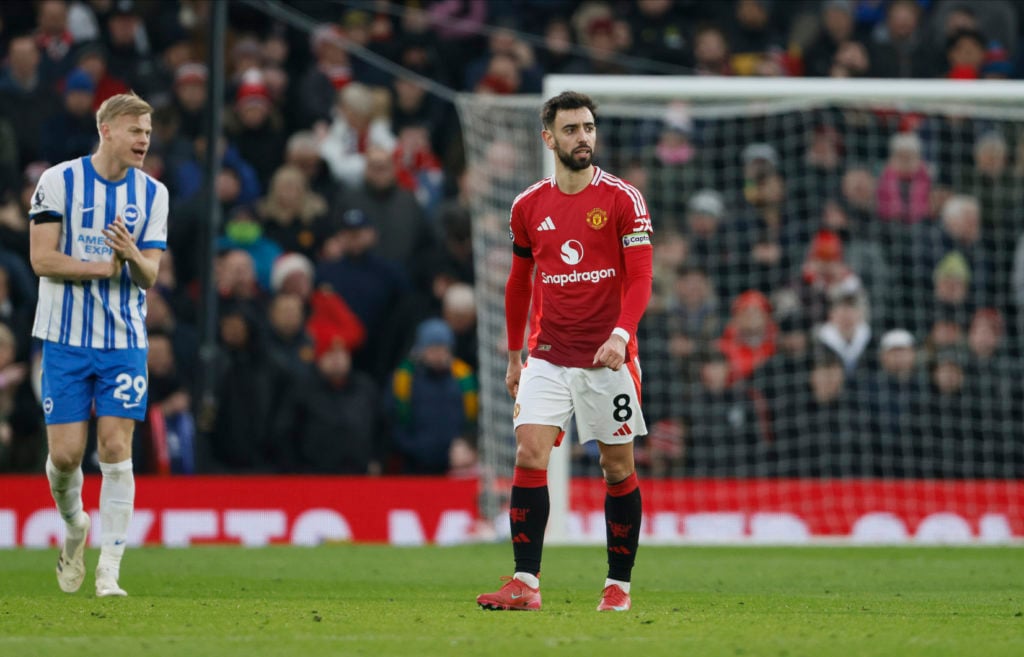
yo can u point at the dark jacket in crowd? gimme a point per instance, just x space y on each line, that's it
430 409
250 385
332 428
722 432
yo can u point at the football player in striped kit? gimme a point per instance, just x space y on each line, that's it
99 227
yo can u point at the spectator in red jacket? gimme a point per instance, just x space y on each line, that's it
329 316
749 337
92 58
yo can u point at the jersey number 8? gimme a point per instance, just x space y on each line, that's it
622 411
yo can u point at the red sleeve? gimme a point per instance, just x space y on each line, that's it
639 262
518 291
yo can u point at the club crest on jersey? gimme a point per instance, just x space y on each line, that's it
131 214
597 218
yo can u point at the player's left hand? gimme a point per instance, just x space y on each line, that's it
612 354
121 241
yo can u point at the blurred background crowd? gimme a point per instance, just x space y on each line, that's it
849 299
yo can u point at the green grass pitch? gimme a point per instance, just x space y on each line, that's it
378 600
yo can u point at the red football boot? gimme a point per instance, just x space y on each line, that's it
513 596
614 598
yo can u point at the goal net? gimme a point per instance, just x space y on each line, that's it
832 349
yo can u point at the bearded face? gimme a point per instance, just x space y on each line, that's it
572 138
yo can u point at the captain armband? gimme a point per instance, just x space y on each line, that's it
636 239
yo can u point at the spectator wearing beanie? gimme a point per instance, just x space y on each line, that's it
749 337
847 332
433 401
997 65
243 230
329 317
951 287
823 270
905 185
256 127
327 75
71 132
189 101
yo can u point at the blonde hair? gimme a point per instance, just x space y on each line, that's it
119 105
459 297
313 205
358 98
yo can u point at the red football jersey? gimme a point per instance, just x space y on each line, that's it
577 242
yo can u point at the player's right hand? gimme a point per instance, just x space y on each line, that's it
611 354
512 374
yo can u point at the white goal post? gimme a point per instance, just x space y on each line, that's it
750 88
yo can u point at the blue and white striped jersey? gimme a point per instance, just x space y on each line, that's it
101 314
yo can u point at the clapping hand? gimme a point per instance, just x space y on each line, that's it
121 241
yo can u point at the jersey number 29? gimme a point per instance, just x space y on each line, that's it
125 383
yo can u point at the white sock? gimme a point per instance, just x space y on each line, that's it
529 579
66 488
622 585
117 500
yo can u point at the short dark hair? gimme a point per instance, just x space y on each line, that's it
965 33
823 356
567 100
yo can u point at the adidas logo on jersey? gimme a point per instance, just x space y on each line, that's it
624 430
547 224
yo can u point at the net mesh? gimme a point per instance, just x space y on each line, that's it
834 301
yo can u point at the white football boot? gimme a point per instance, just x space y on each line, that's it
71 561
106 584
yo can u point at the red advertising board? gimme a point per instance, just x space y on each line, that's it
412 511
259 510
802 510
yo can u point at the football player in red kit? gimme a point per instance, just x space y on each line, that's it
581 243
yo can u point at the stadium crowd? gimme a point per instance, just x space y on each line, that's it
844 305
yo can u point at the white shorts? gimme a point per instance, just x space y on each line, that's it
606 403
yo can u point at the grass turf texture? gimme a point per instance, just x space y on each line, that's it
377 600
